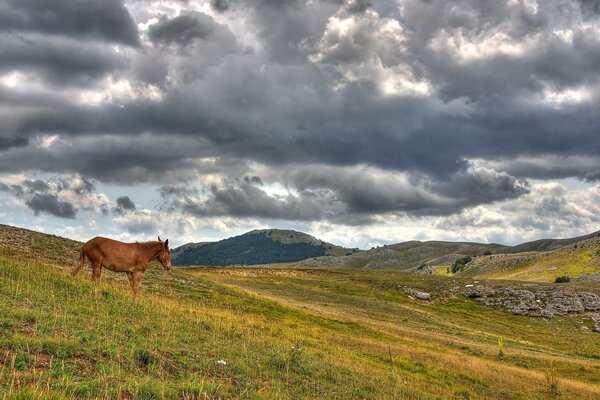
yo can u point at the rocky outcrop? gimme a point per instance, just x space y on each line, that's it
596 319
544 302
417 294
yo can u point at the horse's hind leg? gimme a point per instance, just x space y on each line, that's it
96 271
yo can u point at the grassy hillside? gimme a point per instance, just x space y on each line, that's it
276 333
256 247
580 260
24 244
404 256
548 244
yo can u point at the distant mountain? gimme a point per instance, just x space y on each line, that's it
548 244
264 246
406 255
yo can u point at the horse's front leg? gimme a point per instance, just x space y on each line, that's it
130 277
137 277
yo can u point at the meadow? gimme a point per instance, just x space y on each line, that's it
212 333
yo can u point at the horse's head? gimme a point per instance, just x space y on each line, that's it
165 256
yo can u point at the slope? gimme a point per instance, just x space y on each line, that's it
548 244
580 260
406 255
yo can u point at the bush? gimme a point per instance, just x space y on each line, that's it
562 279
459 264
487 253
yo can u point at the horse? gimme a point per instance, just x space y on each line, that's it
130 258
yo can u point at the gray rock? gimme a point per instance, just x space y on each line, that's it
417 294
546 302
480 291
519 302
596 318
590 301
546 313
563 302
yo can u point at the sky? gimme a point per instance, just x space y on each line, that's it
360 122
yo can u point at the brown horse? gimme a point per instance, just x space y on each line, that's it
131 258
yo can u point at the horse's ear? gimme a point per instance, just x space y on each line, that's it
159 239
167 243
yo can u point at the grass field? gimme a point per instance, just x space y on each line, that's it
276 333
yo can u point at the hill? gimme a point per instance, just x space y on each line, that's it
548 244
578 260
25 244
256 247
406 255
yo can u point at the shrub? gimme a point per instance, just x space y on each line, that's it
562 279
552 380
459 264
487 253
500 355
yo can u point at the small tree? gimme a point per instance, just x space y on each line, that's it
562 279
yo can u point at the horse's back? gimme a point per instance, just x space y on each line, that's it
112 254
104 246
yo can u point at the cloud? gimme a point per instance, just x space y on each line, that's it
182 29
59 60
7 143
246 199
124 204
348 195
345 110
106 20
347 89
62 198
50 204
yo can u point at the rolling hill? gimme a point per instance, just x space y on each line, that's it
548 244
405 256
264 246
579 260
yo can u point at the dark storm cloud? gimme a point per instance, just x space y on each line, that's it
124 204
481 186
59 60
368 191
220 5
322 84
7 143
50 204
182 29
593 176
359 6
245 199
106 20
347 195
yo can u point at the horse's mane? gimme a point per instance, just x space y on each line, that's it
148 242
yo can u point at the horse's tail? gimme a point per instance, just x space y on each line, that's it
81 263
